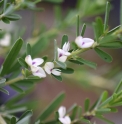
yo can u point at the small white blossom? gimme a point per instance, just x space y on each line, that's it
34 65
84 42
5 41
33 62
49 68
63 118
63 53
38 71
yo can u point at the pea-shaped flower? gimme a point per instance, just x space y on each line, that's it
34 65
63 118
84 42
49 68
63 53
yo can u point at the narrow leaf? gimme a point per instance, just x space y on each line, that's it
55 103
113 30
22 62
88 63
67 70
28 49
118 87
77 34
83 29
86 105
13 120
12 55
16 88
59 78
64 40
106 15
105 56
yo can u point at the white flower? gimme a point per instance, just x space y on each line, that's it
63 53
84 42
49 68
5 41
34 65
33 62
62 118
38 71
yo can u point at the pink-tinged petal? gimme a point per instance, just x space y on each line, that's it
62 111
28 60
37 61
48 67
56 72
79 41
66 47
39 72
87 42
62 58
60 52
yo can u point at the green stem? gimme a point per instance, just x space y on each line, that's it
14 80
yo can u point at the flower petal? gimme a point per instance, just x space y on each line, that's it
37 61
56 72
48 67
62 111
67 119
60 52
62 58
28 60
66 47
79 41
39 72
87 42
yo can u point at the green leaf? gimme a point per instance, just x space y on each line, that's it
74 113
61 64
5 20
79 111
106 15
13 120
116 104
13 17
96 32
103 110
76 62
85 120
5 5
12 55
113 30
118 87
88 63
22 62
112 45
54 1
16 88
71 108
1 3
55 103
59 78
83 29
25 117
45 58
105 56
4 91
67 70
86 105
106 101
100 25
28 49
104 96
104 119
64 40
77 34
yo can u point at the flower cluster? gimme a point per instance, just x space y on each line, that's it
63 53
63 118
